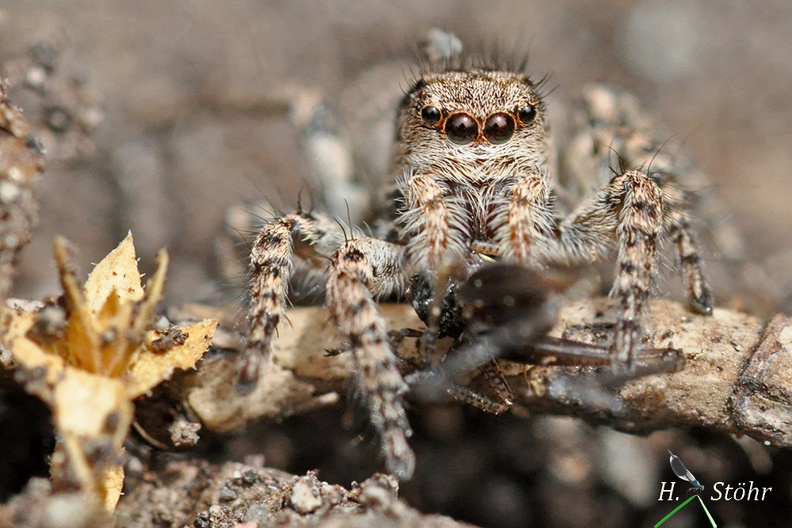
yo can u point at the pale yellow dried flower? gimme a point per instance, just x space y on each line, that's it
90 368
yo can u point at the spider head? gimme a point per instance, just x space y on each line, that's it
479 120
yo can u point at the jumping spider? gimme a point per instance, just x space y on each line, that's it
475 178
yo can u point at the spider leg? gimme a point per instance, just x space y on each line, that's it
438 46
640 226
691 265
615 128
437 225
329 156
681 230
630 207
525 220
271 267
361 269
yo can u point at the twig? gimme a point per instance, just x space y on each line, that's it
737 376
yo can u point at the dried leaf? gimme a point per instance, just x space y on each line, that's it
103 359
117 272
151 369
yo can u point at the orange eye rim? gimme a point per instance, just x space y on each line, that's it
439 119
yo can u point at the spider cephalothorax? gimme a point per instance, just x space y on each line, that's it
473 179
469 143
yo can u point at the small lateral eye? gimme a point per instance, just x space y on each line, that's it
499 128
527 114
430 115
461 128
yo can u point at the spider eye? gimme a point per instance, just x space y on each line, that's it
499 128
461 128
430 115
528 114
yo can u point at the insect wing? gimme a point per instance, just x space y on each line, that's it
680 470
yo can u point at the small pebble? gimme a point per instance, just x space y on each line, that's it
305 496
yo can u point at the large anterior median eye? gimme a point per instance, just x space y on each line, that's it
461 128
499 128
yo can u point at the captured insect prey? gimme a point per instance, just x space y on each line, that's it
472 221
504 312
